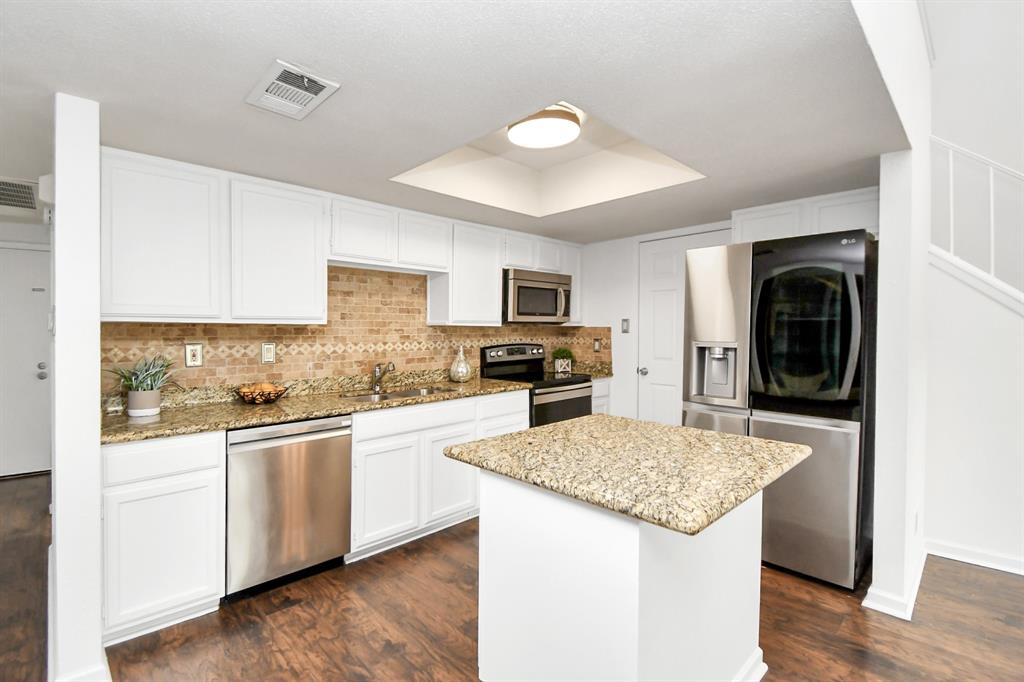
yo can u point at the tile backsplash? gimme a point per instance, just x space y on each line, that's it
372 316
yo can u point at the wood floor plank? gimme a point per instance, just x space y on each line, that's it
410 614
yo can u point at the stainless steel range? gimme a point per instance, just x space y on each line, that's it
554 397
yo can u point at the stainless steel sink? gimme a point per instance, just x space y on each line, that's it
372 397
412 392
408 393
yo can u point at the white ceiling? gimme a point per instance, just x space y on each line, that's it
769 100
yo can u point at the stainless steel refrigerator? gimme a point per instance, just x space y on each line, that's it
780 344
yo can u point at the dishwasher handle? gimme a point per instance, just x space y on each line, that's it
289 429
287 440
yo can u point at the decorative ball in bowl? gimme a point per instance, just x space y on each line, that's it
261 394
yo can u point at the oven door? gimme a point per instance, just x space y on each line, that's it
550 405
530 301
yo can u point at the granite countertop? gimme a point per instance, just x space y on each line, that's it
177 421
677 477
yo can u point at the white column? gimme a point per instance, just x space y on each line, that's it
75 650
896 38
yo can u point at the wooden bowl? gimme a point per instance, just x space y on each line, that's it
260 394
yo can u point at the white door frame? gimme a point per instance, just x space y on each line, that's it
723 228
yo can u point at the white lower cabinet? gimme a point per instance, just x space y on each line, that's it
403 486
601 400
163 532
449 487
386 472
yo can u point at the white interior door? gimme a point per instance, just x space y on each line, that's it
25 361
660 328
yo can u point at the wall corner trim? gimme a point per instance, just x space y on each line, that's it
896 605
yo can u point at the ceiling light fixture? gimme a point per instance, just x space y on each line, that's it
554 126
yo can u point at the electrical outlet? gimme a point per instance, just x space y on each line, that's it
597 345
268 353
193 355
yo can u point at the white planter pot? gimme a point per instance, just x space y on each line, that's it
563 366
143 403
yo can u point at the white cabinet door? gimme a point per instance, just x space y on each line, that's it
499 426
163 546
549 256
363 232
769 222
449 487
385 488
163 238
601 400
572 264
278 264
424 241
520 251
476 276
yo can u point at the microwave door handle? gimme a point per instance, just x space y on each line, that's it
855 339
561 302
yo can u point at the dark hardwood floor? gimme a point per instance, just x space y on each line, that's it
410 614
24 539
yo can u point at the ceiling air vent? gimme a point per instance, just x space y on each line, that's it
18 198
290 90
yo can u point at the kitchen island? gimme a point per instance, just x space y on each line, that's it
616 549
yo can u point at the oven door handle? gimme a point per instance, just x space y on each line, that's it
563 394
569 387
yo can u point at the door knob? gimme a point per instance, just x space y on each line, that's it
642 371
41 365
41 375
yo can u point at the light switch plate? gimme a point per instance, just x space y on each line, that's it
268 353
193 355
625 325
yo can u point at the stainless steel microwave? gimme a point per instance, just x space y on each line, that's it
531 296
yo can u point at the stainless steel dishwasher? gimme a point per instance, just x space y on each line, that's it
289 498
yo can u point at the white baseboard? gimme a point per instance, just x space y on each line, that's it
976 556
99 673
900 606
754 669
365 552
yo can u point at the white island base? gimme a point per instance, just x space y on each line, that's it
571 591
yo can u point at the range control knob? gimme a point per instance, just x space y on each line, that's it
491 354
500 353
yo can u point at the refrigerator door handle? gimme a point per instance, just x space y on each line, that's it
855 330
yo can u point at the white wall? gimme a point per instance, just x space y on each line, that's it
75 649
974 492
975 474
978 76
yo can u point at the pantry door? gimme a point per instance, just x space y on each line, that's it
25 364
660 342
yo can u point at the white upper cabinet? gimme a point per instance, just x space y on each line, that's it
380 236
572 264
853 210
520 251
278 263
424 241
532 253
363 232
164 238
549 256
471 294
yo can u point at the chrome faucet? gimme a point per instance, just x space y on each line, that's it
379 371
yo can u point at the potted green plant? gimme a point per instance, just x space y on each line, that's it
563 359
143 382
